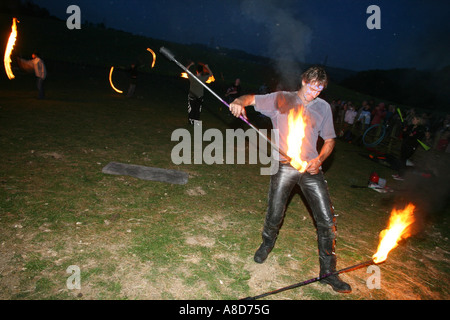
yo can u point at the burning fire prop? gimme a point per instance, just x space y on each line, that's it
294 140
154 56
210 79
110 81
9 48
399 228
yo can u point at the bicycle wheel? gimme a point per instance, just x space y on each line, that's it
374 135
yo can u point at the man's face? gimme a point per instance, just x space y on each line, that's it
310 91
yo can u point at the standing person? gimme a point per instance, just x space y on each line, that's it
349 119
38 65
133 80
319 121
195 96
365 117
411 136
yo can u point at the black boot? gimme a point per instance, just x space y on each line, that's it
264 249
327 260
327 266
269 235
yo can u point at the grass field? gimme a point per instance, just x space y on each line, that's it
136 239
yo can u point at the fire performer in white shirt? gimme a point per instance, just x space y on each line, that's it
304 166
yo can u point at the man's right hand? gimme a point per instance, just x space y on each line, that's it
237 109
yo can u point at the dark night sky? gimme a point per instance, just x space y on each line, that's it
413 34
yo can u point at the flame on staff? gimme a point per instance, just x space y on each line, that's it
399 228
210 79
296 134
110 81
154 56
9 48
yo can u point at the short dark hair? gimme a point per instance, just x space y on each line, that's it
316 74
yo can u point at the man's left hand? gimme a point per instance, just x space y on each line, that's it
313 166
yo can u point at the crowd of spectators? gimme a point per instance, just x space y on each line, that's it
351 121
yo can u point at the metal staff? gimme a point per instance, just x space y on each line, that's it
171 57
296 285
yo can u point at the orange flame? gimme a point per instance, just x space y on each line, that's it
9 48
210 79
154 56
398 229
110 81
294 139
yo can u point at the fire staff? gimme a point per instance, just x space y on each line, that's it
319 122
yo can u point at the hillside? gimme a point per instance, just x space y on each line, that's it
95 45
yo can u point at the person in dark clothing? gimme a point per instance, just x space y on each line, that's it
411 136
133 80
195 96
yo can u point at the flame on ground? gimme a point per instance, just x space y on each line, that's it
294 140
9 48
154 56
110 81
398 229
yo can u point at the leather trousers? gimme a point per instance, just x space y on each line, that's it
315 191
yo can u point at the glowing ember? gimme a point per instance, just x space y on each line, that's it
398 229
110 81
184 75
154 56
9 48
294 139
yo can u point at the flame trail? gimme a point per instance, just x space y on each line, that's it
110 81
9 48
154 56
